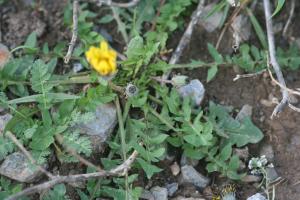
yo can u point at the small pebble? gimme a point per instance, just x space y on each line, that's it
257 196
175 169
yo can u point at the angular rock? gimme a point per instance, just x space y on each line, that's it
194 89
159 193
242 26
172 188
100 129
190 175
3 121
211 23
146 194
17 167
257 196
188 161
246 111
272 174
268 151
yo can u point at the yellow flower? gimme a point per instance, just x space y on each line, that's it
102 59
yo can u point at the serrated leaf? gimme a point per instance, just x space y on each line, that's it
148 168
39 77
80 144
211 73
239 133
134 47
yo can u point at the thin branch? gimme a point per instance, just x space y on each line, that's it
288 22
239 76
120 5
74 32
233 16
273 61
295 92
185 39
117 171
27 154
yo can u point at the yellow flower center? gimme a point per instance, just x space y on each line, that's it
102 59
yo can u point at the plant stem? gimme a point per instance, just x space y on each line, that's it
123 142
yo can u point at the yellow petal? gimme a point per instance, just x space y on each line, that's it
104 46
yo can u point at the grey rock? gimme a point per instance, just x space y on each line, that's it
3 121
242 26
268 151
100 129
257 196
146 194
172 188
246 111
190 175
17 167
188 161
272 174
211 23
194 89
175 169
77 67
159 193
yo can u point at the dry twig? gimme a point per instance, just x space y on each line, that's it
117 171
27 154
288 22
120 5
239 76
74 32
273 61
185 39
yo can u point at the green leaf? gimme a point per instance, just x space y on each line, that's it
31 40
148 168
135 46
211 73
279 6
239 133
234 163
258 29
158 139
214 53
6 147
80 144
58 193
39 77
226 152
42 138
106 19
55 97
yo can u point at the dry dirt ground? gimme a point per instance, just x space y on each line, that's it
282 133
